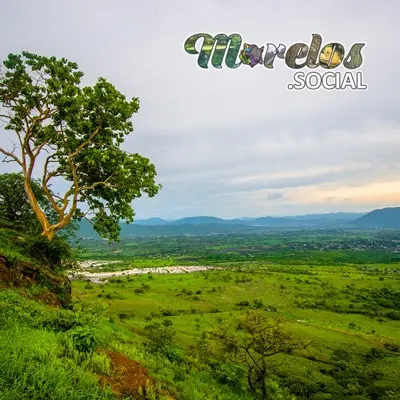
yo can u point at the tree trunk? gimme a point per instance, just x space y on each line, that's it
41 216
264 389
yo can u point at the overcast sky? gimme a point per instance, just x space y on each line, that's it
236 142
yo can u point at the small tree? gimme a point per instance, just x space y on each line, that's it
16 213
255 339
73 134
14 204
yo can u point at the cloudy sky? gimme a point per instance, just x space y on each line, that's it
236 142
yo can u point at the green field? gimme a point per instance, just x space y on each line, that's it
344 310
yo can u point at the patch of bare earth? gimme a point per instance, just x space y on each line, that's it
127 377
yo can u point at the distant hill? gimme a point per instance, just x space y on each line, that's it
151 221
383 218
207 225
198 221
339 216
274 222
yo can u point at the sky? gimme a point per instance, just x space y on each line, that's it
235 142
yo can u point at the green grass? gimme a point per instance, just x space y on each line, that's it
41 363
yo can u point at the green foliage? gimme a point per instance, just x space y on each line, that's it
16 211
159 335
14 203
83 339
229 374
256 338
80 131
50 253
41 363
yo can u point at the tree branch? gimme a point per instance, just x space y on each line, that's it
11 155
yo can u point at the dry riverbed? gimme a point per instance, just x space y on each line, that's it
100 277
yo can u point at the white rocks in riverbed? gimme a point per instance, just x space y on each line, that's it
100 277
93 264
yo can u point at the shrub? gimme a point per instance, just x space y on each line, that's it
395 315
167 312
352 325
83 339
374 354
126 315
243 303
88 286
257 303
392 347
51 253
229 374
159 335
167 322
62 320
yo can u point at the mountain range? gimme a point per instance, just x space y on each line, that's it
206 225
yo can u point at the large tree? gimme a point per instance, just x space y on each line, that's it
73 134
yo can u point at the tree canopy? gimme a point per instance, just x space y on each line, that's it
73 134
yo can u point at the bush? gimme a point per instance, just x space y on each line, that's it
50 253
167 312
229 374
395 315
88 286
392 347
159 335
167 322
62 320
257 303
126 315
83 339
374 354
243 303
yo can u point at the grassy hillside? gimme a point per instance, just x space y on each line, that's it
150 336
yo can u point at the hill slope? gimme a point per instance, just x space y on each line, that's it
384 218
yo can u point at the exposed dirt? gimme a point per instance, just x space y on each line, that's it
127 375
24 274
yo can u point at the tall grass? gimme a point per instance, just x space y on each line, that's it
33 365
